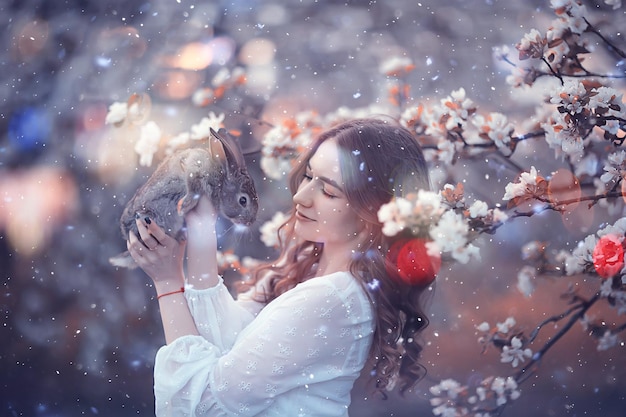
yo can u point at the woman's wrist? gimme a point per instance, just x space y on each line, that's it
173 292
168 287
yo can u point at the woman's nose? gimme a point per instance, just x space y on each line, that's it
303 195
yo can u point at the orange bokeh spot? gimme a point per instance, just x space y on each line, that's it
564 187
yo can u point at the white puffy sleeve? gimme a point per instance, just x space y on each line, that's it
314 333
218 317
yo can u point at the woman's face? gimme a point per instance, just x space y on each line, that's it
323 213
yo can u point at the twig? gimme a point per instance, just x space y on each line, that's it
611 46
533 335
527 371
593 198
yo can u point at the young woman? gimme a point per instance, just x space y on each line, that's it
295 342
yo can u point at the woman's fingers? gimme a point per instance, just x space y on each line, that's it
135 246
157 233
149 232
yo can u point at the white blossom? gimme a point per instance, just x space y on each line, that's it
449 386
615 3
525 280
447 150
465 254
203 97
220 77
117 113
177 141
618 296
514 353
617 229
607 99
148 143
520 188
458 102
614 168
445 411
607 341
587 166
576 22
502 387
417 213
275 168
586 321
499 216
411 113
450 235
558 50
530 40
249 262
394 215
483 327
533 250
581 256
478 209
280 144
507 325
514 189
497 128
569 95
227 259
202 130
395 64
561 136
269 230
277 137
446 394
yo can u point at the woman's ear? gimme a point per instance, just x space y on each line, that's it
365 233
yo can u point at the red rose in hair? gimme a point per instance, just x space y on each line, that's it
608 256
412 261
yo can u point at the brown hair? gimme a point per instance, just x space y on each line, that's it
378 160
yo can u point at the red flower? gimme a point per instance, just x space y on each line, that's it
412 261
608 256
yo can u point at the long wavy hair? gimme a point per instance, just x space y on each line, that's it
379 159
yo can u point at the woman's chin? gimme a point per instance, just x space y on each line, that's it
306 232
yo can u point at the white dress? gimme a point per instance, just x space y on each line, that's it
297 356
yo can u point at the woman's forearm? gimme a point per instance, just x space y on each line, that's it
202 269
175 316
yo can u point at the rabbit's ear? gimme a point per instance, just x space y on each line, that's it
231 149
217 148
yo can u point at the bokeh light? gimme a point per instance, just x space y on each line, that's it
29 128
34 203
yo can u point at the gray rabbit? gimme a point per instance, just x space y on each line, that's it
181 179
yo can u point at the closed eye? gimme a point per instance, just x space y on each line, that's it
309 177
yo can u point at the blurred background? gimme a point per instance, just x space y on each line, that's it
78 337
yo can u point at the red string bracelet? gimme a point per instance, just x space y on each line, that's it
182 289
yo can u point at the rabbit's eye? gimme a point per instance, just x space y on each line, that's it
243 201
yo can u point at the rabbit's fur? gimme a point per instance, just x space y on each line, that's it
181 179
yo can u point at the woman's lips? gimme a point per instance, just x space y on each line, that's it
301 216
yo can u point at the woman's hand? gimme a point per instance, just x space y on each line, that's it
160 256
